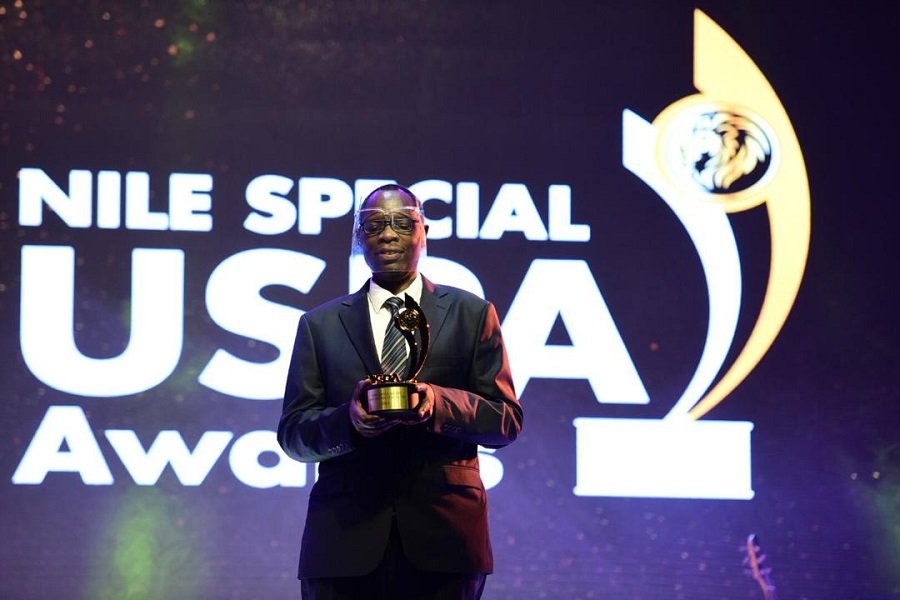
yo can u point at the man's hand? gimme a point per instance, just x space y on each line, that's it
367 425
425 408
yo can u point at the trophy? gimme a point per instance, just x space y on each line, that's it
389 395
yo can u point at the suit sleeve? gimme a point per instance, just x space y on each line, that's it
487 411
309 430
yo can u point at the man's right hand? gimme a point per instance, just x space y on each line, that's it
367 425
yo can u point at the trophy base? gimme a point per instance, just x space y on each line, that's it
393 400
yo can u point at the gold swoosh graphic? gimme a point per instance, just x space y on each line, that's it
723 72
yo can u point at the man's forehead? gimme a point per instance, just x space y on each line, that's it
367 214
389 199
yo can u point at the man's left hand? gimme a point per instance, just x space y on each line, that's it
425 409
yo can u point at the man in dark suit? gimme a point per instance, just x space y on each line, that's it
399 509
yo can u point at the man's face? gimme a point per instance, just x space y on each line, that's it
391 233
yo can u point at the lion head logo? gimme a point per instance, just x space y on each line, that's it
725 152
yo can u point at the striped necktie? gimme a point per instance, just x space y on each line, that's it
393 352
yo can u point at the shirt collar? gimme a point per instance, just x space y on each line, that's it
377 294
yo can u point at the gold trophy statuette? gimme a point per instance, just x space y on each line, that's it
389 395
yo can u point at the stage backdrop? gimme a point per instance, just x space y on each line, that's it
682 212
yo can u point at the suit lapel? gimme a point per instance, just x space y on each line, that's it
435 305
355 319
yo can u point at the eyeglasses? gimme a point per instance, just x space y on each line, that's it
399 223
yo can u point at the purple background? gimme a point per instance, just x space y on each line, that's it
464 91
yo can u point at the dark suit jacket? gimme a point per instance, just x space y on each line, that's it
427 475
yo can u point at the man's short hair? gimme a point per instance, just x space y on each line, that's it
399 188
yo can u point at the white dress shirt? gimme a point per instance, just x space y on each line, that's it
380 315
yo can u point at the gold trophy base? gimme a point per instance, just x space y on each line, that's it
394 400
